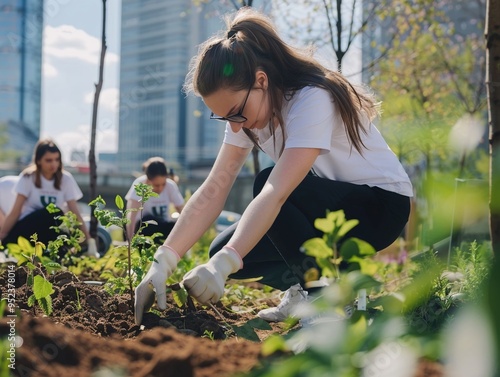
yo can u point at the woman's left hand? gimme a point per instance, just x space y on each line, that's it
206 282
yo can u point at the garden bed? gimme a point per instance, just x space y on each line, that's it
92 333
90 330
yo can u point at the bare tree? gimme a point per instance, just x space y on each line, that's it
333 23
492 34
92 159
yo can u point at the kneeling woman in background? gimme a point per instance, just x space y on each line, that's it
40 184
155 208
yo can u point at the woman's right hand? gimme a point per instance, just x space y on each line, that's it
154 283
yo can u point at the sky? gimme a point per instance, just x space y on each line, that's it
71 49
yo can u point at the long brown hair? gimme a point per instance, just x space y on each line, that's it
251 43
43 146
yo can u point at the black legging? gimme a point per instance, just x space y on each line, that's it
382 217
39 222
163 227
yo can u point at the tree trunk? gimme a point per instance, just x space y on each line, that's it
92 160
492 34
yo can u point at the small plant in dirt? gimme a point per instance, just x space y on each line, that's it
139 250
130 263
67 246
37 265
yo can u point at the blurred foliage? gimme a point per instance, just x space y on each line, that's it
399 328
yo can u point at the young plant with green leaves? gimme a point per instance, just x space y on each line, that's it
37 265
69 238
327 253
139 250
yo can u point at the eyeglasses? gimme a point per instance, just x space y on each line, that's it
236 118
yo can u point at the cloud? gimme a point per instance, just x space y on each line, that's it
71 58
49 70
68 42
107 99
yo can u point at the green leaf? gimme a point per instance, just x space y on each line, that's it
247 332
38 249
119 202
31 300
180 297
325 225
46 304
355 247
367 265
346 227
356 334
317 247
24 244
42 287
258 323
273 344
29 280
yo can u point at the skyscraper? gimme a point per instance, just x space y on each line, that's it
158 39
21 27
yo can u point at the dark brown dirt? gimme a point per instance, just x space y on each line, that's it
90 330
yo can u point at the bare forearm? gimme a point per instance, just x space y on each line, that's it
196 217
254 223
10 221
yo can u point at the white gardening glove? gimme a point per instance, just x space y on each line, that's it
206 282
92 249
165 262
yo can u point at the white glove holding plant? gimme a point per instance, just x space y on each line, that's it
206 282
155 282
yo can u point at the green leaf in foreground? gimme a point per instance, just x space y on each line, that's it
246 331
180 297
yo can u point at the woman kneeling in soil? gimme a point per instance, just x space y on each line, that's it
40 184
328 156
156 208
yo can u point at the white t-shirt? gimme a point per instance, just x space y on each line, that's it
38 198
313 121
7 193
158 206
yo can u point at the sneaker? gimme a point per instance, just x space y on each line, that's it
289 300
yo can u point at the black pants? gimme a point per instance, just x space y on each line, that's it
39 222
163 227
382 216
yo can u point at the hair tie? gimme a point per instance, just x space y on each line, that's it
231 33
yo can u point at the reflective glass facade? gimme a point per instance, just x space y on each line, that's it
21 29
158 39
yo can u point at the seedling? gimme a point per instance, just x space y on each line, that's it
139 249
36 263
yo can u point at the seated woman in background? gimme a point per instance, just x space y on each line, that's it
155 208
40 184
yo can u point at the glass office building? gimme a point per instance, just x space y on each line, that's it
21 29
158 39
